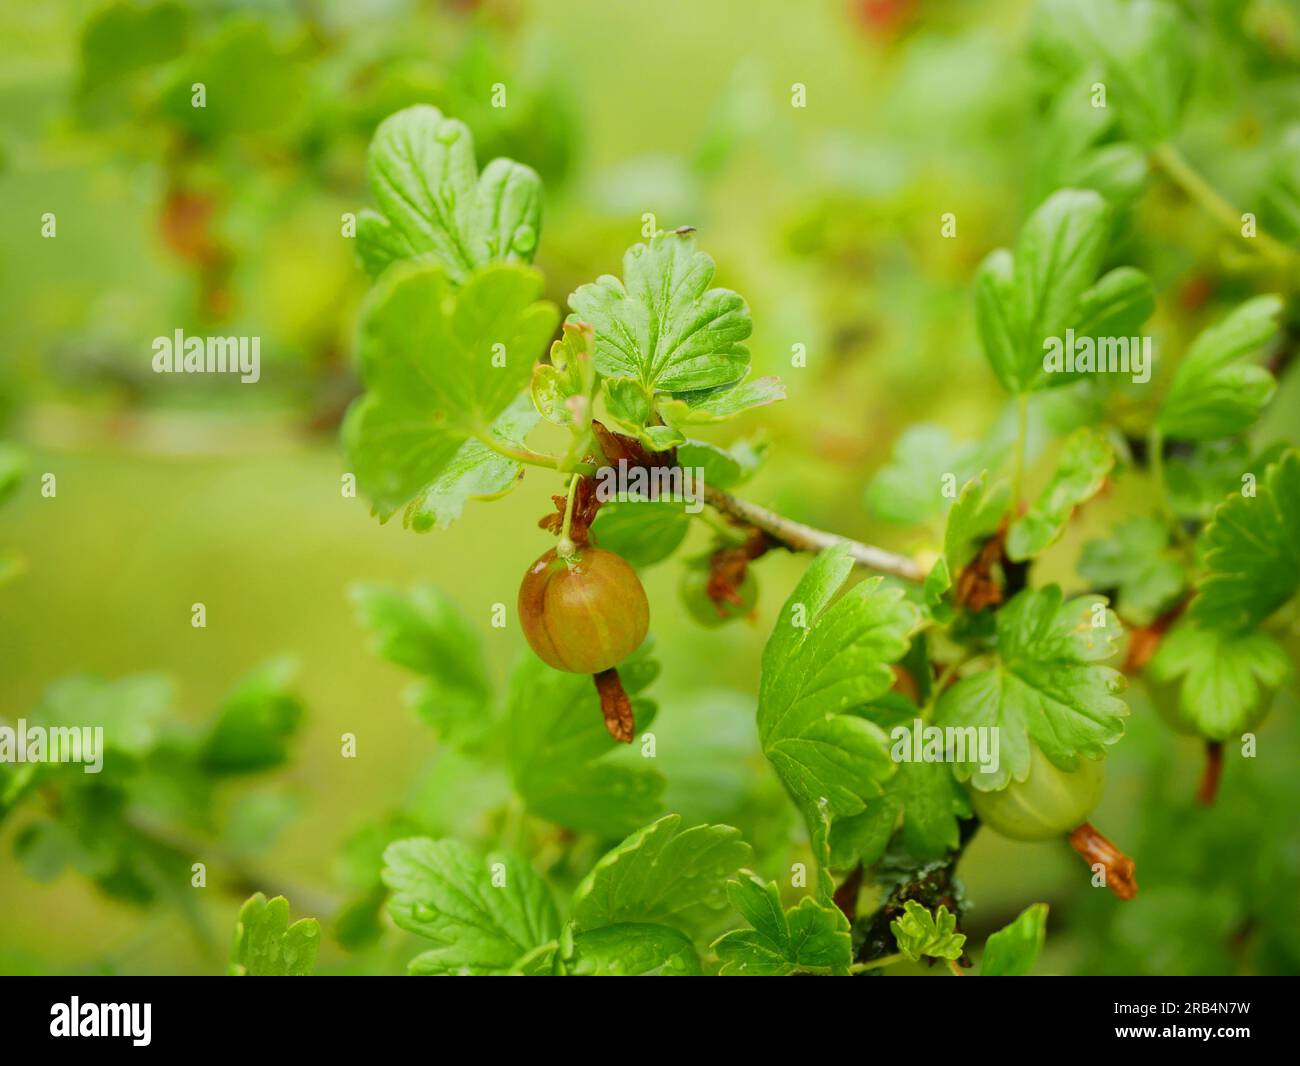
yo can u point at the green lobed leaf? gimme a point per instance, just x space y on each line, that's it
626 401
1118 171
1075 149
1137 561
121 40
562 387
1215 391
1137 48
132 710
1225 680
823 659
628 406
1050 285
661 324
1047 685
1081 469
253 83
439 366
911 487
434 204
266 945
919 933
1252 551
643 532
809 938
659 873
1013 949
1115 307
564 765
255 722
1058 253
708 751
720 404
44 848
484 913
1280 199
927 798
425 632
999 331
475 472
974 516
631 949
1198 482
715 466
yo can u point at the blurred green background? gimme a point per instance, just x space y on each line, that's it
175 490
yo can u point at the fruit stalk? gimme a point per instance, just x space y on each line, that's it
1095 848
615 705
565 548
1209 787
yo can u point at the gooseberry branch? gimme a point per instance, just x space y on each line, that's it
796 536
1171 161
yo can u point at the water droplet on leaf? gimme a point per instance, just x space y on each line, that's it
524 240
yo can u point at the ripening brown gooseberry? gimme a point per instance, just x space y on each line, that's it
584 613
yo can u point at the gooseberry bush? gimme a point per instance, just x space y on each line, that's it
961 639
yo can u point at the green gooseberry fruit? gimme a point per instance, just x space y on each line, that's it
1047 804
584 613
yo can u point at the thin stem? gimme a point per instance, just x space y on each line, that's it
799 537
1156 458
878 964
1187 178
512 826
527 456
240 880
565 548
936 689
1022 435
